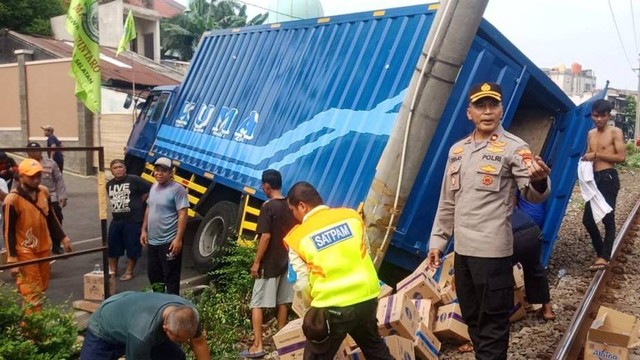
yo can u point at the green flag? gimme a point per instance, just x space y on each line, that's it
82 24
128 34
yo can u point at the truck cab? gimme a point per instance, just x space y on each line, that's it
156 107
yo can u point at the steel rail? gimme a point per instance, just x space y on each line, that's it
574 338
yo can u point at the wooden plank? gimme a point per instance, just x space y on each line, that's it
85 305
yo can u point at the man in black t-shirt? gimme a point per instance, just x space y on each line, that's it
269 268
53 143
127 194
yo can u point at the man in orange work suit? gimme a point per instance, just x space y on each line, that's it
29 226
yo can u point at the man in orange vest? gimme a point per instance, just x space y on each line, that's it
330 255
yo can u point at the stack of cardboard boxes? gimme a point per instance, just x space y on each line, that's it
413 321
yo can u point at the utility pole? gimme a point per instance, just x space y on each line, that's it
452 32
636 134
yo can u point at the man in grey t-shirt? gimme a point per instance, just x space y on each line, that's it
163 228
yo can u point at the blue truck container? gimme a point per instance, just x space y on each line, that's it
317 100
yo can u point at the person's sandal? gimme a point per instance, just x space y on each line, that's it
126 277
465 348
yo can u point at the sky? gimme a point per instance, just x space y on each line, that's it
549 32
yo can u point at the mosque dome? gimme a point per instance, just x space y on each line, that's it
288 10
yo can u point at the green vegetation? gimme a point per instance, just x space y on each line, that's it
180 35
633 156
46 335
224 309
30 16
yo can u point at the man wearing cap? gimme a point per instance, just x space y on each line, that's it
482 174
52 179
163 228
29 227
330 255
53 142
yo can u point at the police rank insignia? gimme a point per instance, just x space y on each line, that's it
458 150
526 156
488 169
499 144
493 137
487 180
495 149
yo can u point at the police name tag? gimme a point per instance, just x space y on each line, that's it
331 236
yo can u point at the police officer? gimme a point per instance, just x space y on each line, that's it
330 256
482 174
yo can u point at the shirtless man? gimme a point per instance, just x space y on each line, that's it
606 148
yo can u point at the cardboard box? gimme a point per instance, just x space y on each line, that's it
290 341
397 316
446 271
385 290
399 347
612 333
450 325
419 286
426 345
448 295
426 310
518 276
598 351
519 310
94 285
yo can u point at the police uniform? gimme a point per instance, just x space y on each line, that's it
329 249
476 201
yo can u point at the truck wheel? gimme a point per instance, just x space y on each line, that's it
212 234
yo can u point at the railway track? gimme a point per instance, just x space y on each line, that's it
605 284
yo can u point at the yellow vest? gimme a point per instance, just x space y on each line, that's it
331 243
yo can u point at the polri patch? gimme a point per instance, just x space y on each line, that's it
331 236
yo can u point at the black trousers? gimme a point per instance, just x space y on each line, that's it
527 245
55 206
608 183
163 271
485 293
359 321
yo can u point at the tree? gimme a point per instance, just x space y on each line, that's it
30 16
180 35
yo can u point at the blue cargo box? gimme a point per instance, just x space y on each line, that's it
317 99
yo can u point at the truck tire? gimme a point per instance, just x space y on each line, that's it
212 234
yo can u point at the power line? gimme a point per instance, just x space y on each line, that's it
633 22
619 37
270 10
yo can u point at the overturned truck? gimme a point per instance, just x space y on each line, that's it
320 100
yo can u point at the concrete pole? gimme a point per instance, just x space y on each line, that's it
637 130
22 57
450 37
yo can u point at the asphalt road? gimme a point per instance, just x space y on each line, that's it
82 225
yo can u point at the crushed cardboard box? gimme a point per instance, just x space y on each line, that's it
611 335
399 347
426 310
446 275
519 310
450 325
397 316
419 286
426 345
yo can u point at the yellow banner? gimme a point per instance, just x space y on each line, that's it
82 24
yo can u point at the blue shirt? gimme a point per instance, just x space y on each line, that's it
164 203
